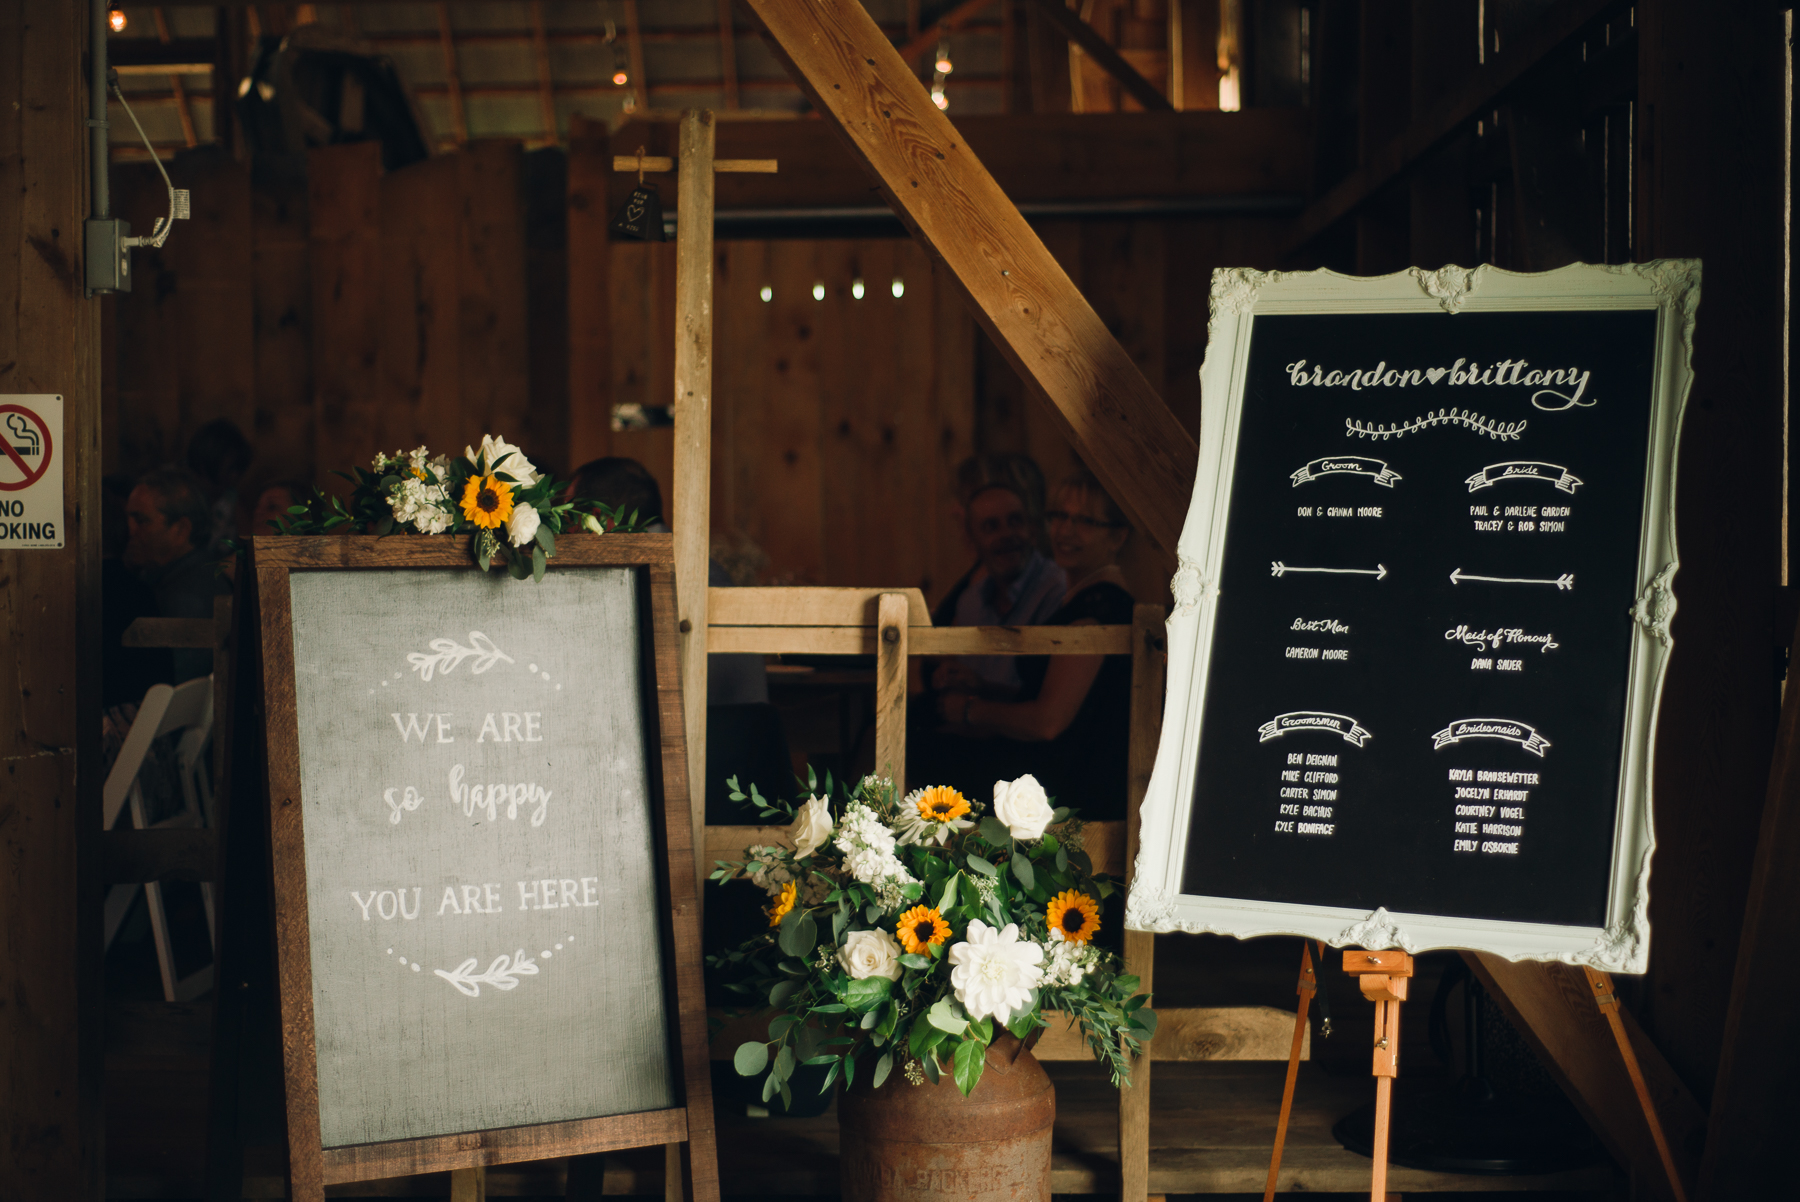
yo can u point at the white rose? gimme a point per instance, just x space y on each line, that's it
522 526
1023 806
493 448
995 971
870 954
812 826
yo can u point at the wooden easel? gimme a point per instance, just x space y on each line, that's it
1383 977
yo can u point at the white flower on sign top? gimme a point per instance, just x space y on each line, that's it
1023 806
493 450
812 826
995 971
522 526
870 954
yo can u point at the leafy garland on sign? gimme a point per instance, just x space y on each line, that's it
493 493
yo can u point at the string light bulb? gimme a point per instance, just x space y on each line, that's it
943 64
899 287
856 288
620 79
768 294
939 98
819 290
116 19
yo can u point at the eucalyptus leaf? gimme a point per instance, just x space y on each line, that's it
944 1017
882 1068
798 933
784 1064
870 1019
914 960
872 914
546 539
806 1043
930 1067
778 1026
849 1071
770 1085
982 865
1021 868
1145 1020
947 898
751 1058
839 921
1062 859
1059 814
996 832
538 562
782 991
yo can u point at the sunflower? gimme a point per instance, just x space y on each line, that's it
1073 917
932 815
784 901
922 927
487 502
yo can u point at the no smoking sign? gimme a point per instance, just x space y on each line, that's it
31 477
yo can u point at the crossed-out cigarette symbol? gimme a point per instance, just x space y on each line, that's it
25 439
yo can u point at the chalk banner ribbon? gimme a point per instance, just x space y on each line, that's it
1353 464
1521 733
1337 724
1491 475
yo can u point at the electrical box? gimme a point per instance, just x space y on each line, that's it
108 256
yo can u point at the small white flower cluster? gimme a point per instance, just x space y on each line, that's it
868 847
765 866
419 500
1066 963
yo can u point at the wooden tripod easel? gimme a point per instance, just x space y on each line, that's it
1383 977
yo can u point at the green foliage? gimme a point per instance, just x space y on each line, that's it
915 1022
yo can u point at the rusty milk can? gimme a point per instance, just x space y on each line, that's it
918 1142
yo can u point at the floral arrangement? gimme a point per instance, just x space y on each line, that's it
914 930
494 493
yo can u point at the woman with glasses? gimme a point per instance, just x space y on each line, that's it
1070 726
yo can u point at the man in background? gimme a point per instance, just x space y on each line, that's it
170 522
1000 499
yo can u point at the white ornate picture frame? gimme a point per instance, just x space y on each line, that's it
1156 903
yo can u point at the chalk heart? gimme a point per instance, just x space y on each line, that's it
1434 374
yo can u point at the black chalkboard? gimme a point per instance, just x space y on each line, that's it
1416 694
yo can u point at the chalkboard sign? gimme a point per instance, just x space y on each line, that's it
1423 612
482 855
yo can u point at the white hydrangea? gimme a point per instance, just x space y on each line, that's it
1066 963
868 847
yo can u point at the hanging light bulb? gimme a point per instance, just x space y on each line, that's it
768 294
856 288
621 76
116 19
943 59
938 98
620 79
899 287
819 290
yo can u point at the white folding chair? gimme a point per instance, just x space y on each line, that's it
188 709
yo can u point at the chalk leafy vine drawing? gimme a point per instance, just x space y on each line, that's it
1452 417
503 973
448 653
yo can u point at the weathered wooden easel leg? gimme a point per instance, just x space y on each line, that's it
468 1185
1609 1006
1383 977
1309 984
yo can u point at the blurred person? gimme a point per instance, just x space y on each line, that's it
1000 501
628 486
1070 727
170 525
126 673
218 454
274 501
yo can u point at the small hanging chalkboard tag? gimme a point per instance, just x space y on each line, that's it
642 215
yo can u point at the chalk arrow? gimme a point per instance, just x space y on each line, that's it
1379 571
1564 582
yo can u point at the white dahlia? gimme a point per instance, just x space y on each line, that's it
994 972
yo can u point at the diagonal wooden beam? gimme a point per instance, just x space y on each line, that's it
1481 91
1104 53
921 44
728 53
540 53
459 119
175 84
1022 297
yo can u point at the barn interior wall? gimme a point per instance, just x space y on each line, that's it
477 291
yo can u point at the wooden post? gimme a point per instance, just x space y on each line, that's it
1309 985
468 1185
1149 667
692 509
1383 977
50 631
890 689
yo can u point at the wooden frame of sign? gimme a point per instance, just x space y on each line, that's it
1423 612
668 896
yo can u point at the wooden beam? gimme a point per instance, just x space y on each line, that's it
639 95
175 83
1479 92
1149 669
918 45
922 640
1024 299
728 53
890 689
50 631
540 55
459 119
1554 1008
1103 52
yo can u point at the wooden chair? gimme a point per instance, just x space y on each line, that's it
185 710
